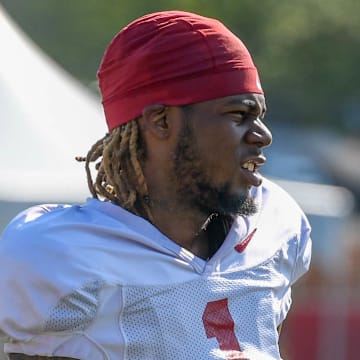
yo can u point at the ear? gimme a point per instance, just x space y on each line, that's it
155 120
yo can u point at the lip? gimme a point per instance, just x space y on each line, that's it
253 178
259 160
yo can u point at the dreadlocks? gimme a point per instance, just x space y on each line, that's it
120 177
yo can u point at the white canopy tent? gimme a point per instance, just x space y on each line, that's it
46 119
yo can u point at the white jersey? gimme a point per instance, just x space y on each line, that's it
95 282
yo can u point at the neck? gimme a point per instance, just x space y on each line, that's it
183 225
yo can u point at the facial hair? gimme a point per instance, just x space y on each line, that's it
195 187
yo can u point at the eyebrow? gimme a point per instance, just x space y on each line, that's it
247 102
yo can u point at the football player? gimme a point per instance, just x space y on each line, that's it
184 250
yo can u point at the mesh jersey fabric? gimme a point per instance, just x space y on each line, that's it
94 282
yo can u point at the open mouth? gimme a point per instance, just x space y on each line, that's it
249 165
250 172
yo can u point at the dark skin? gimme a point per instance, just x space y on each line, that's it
234 127
226 132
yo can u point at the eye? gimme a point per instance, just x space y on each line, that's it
238 116
241 112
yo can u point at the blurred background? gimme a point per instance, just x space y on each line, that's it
308 56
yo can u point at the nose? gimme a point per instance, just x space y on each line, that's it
259 134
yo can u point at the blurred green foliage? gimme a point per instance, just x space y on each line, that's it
307 52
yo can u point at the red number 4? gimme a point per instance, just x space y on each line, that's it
218 323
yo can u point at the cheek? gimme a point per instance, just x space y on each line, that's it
220 162
219 144
223 146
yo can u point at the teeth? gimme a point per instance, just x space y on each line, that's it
249 166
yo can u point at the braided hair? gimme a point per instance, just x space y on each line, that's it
119 157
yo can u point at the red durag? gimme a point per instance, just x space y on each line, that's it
172 58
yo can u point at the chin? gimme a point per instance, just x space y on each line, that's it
240 192
236 203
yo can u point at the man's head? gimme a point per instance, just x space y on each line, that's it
182 98
217 141
172 58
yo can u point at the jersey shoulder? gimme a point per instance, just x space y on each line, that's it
278 206
37 271
281 227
